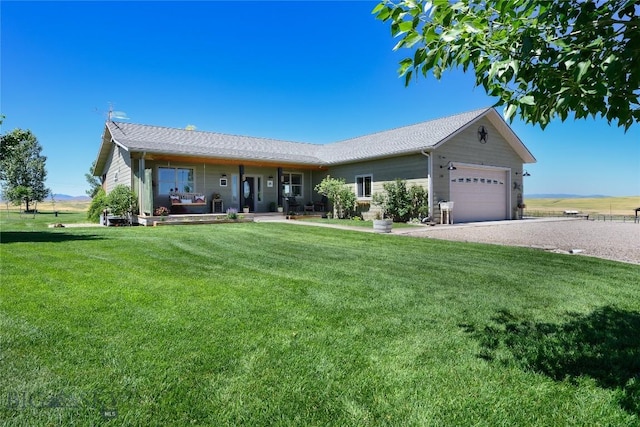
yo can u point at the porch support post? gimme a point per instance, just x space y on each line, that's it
241 186
141 186
279 187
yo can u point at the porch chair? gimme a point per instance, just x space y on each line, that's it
321 205
292 204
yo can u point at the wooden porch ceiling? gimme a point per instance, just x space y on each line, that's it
222 161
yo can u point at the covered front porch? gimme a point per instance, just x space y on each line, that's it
180 185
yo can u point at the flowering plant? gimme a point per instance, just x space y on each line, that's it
161 211
232 213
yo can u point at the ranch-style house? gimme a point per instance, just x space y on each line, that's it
472 159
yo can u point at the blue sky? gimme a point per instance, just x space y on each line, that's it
302 71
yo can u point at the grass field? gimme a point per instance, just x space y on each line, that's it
49 207
275 324
596 205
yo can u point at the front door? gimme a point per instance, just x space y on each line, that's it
248 193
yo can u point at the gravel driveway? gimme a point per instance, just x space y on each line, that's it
610 240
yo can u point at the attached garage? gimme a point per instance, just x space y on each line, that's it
479 193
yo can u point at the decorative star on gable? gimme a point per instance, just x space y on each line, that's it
483 135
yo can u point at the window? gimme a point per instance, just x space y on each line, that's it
234 188
175 179
292 184
363 185
259 189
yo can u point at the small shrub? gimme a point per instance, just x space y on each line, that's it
232 213
419 202
97 206
121 200
341 196
401 204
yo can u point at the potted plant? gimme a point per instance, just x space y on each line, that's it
245 209
280 209
162 212
380 223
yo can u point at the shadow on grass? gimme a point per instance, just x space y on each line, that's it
43 236
603 345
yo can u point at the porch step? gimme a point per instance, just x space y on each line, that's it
190 219
204 221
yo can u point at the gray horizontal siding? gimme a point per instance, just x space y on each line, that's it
404 167
118 168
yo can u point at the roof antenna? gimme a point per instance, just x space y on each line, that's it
119 115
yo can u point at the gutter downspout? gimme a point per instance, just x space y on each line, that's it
429 177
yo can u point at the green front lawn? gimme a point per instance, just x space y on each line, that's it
276 324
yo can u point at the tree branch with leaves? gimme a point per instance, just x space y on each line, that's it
542 59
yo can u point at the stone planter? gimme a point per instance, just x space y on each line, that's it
382 225
245 210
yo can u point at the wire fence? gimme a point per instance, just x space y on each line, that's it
587 216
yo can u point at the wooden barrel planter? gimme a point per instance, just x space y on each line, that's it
382 225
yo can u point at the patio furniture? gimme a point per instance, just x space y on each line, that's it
321 205
195 199
292 204
181 202
217 206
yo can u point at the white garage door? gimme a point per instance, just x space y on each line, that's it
479 194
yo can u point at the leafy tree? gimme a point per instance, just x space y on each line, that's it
419 201
121 200
541 58
22 167
97 206
401 203
341 196
94 183
395 201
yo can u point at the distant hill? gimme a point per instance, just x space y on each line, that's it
563 196
66 197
